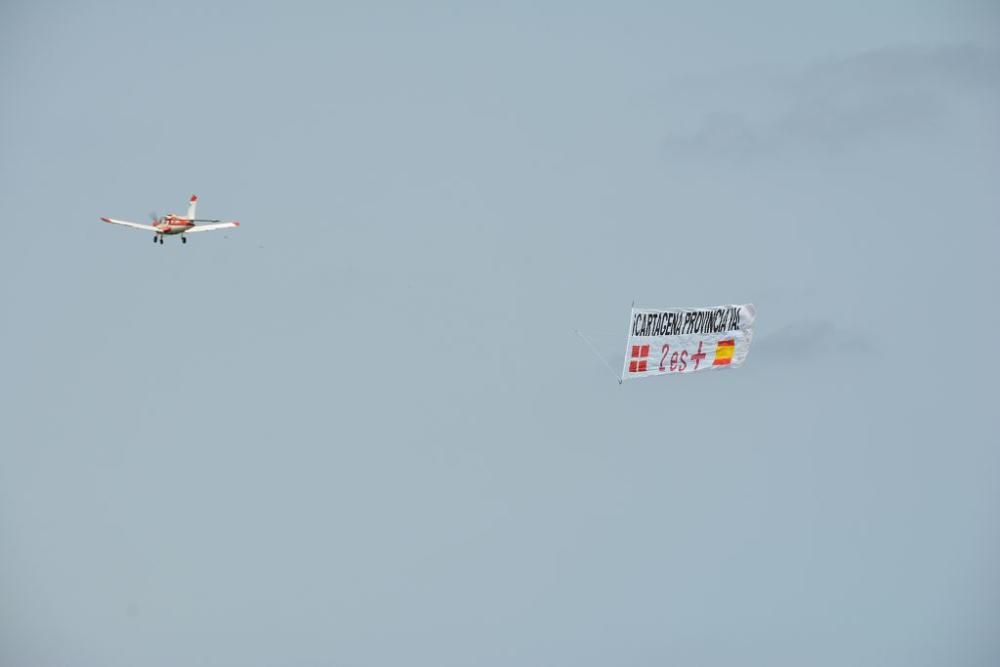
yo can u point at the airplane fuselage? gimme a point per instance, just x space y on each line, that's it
171 225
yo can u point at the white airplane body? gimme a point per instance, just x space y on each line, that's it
173 224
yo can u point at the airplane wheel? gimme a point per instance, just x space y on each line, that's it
184 239
155 239
161 240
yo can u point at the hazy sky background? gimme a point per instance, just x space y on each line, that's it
360 430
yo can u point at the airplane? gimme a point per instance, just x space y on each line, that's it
173 224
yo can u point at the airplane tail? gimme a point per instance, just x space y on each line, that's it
192 205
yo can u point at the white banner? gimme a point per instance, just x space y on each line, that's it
685 340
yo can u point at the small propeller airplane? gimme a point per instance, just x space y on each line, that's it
173 224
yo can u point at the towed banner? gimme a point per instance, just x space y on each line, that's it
686 340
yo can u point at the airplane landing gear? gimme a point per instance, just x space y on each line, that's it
161 239
155 238
184 239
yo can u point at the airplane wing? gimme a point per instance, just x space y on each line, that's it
136 225
211 228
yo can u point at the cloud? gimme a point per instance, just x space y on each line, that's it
841 105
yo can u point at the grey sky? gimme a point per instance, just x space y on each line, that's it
359 430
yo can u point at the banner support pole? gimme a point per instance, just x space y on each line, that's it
628 334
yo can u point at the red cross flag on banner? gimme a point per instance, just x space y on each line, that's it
685 340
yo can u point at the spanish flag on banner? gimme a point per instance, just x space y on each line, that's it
724 352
